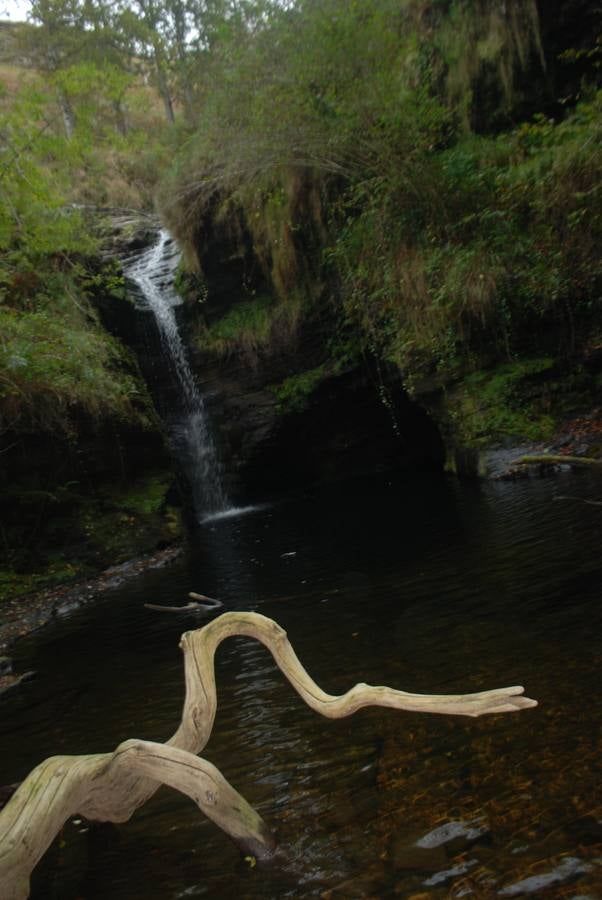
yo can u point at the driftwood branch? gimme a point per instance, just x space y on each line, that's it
557 459
111 786
198 603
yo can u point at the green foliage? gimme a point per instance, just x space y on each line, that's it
247 325
252 326
55 359
57 571
53 364
503 402
144 497
293 393
503 238
343 89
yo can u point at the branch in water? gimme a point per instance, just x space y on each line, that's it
110 787
198 603
557 460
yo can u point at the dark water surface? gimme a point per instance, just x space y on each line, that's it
423 584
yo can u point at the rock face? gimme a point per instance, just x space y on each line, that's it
74 504
124 231
345 425
342 428
351 419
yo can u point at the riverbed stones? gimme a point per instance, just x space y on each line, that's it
431 852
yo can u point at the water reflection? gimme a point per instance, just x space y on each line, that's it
429 586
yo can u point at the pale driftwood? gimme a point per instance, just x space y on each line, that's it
198 603
109 787
557 459
207 601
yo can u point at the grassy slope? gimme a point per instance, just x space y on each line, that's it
64 380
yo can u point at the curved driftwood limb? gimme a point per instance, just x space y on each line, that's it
200 646
110 787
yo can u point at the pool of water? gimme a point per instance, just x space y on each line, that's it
424 584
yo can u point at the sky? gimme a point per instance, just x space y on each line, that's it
15 10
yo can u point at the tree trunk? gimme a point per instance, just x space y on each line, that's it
121 121
68 113
163 87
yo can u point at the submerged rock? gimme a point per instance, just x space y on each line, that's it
455 836
571 867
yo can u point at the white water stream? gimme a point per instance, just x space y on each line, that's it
190 431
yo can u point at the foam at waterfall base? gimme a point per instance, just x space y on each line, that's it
231 513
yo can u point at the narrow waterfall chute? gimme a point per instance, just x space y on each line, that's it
153 271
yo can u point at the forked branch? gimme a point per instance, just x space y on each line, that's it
110 787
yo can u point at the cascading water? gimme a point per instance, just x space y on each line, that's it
190 431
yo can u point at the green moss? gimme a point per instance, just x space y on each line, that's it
191 286
247 326
255 326
505 402
145 497
122 524
293 393
57 571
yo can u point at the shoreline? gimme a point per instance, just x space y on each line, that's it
26 613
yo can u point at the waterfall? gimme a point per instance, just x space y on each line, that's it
189 427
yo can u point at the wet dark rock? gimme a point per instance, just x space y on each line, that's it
124 231
341 430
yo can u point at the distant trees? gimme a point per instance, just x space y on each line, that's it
98 47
